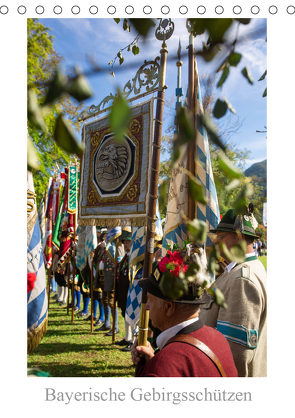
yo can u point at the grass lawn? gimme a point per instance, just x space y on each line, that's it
70 350
263 261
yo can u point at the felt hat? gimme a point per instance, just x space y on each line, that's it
153 286
126 234
244 223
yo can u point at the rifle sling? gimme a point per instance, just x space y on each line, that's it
187 339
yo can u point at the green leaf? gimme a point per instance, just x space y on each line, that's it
129 48
142 26
34 112
218 297
80 88
208 53
247 74
208 124
213 258
197 26
121 58
234 58
220 108
185 127
224 76
117 20
135 49
57 87
233 185
264 93
65 137
242 200
197 230
236 253
173 286
125 24
227 167
162 192
263 75
32 157
243 21
120 116
217 28
196 190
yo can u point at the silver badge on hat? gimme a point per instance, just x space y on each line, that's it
157 274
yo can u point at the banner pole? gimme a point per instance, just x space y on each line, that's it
115 279
153 195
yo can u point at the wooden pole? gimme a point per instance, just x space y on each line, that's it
115 279
49 271
153 195
191 166
91 292
73 286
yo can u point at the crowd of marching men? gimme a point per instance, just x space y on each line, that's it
105 289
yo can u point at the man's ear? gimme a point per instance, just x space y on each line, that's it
170 308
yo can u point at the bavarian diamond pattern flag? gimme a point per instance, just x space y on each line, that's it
175 231
37 297
87 241
133 304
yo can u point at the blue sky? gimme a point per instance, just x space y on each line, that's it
75 38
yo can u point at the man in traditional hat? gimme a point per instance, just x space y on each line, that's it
243 285
122 289
186 347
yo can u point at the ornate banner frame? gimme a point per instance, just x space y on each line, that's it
115 176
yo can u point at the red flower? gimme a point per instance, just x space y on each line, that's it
173 263
31 278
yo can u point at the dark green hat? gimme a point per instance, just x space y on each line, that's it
126 234
244 223
152 286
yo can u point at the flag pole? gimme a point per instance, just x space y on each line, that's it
68 299
91 293
191 165
153 195
115 279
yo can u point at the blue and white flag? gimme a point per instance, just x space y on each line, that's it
87 242
37 303
133 303
175 231
112 234
138 241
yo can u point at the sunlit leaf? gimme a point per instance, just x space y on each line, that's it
236 253
120 116
32 157
224 76
208 124
233 185
57 87
34 112
264 93
218 297
65 137
196 190
227 167
135 49
197 230
80 88
247 74
197 26
263 76
242 200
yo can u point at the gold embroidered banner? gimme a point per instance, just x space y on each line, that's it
114 176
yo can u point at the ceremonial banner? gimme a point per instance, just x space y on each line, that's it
87 241
175 231
37 297
41 216
133 303
138 242
57 227
112 234
55 201
114 176
67 229
73 189
47 251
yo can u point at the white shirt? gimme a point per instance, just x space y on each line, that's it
171 332
233 263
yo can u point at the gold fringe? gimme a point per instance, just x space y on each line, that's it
114 222
35 337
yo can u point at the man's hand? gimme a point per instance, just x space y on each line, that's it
136 350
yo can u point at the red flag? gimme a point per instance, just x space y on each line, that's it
47 251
